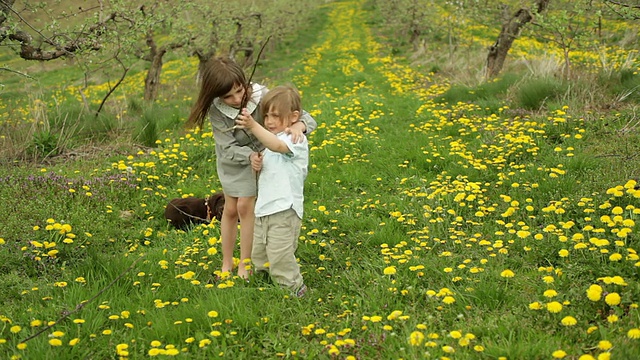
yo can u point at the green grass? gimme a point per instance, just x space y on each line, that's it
415 208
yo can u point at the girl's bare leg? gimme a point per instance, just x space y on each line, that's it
229 232
247 219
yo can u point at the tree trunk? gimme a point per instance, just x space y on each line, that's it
152 82
509 32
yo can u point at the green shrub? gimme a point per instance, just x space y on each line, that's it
44 144
629 87
147 131
492 89
135 105
99 128
533 94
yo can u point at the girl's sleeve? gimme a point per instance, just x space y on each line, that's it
231 150
308 121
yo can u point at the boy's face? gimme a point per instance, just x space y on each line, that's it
234 97
276 123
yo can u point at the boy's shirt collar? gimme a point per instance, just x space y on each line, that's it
232 112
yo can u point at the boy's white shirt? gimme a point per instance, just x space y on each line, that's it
281 181
231 112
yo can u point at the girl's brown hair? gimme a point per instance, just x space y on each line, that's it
218 77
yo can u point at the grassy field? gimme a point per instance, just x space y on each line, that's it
438 224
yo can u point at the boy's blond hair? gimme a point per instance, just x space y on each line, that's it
283 99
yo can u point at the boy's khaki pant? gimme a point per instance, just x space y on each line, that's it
275 241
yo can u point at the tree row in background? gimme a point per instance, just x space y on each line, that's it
108 38
561 24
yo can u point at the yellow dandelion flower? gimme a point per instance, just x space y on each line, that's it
448 300
535 305
594 292
633 333
390 270
306 330
416 338
604 356
204 342
558 354
172 352
448 349
507 274
586 357
605 345
618 280
612 299
55 342
615 257
569 321
121 349
554 307
394 315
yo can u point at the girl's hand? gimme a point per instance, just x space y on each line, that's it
297 132
256 161
245 120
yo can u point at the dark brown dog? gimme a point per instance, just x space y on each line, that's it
182 212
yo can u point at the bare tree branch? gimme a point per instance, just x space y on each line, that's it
623 4
83 40
17 72
125 70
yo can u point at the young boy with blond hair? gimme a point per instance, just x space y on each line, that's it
279 205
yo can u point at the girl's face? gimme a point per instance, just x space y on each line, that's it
234 97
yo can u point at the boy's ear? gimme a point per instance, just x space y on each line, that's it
295 116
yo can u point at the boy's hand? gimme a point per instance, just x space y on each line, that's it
245 120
